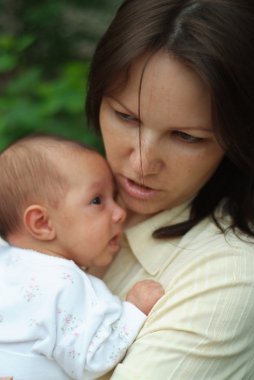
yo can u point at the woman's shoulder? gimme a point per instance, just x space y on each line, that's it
216 232
206 254
205 241
204 238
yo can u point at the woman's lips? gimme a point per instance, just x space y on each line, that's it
136 190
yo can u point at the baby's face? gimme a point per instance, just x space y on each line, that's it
88 221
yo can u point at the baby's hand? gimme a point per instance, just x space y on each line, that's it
144 294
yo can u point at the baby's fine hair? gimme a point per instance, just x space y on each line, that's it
30 173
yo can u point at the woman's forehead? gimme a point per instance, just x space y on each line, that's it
163 85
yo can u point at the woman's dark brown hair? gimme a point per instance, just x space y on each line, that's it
216 39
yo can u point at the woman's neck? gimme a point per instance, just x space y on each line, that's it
133 219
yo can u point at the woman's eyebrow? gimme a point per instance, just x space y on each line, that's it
180 127
122 105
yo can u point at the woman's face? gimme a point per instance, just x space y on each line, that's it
179 152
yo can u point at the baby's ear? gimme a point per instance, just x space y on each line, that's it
38 223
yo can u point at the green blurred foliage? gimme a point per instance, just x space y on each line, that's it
45 50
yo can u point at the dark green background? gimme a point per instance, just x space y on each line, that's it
45 51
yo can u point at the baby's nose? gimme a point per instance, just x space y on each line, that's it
119 214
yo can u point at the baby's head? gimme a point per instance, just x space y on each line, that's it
57 197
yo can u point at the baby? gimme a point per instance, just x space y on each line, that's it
58 215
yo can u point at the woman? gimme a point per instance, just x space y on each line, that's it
172 91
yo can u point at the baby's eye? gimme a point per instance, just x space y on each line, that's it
186 137
96 201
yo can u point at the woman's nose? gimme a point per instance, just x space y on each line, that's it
119 214
145 162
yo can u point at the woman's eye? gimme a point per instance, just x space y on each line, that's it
125 116
96 201
186 137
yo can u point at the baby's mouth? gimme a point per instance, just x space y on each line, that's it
115 242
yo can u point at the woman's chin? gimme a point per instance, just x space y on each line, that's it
137 213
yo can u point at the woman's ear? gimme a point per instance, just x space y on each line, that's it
38 223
